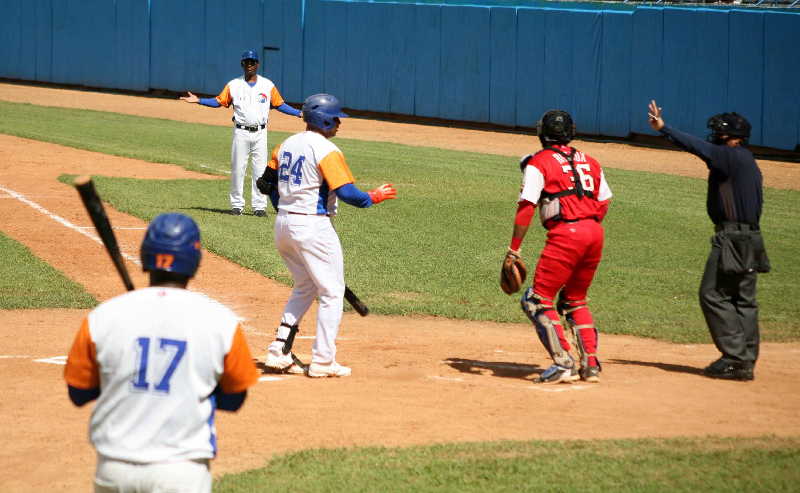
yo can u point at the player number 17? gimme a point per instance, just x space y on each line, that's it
169 354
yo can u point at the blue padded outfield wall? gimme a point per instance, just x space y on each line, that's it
503 65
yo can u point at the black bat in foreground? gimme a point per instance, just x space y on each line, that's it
97 213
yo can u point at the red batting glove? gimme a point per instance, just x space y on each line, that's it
383 192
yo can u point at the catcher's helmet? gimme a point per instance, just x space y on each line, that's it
555 127
320 110
250 55
729 124
171 244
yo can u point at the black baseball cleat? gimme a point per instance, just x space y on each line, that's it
236 211
259 213
725 370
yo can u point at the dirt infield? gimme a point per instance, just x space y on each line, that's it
416 380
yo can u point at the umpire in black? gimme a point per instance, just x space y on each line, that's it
735 196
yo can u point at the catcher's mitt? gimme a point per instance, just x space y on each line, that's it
512 273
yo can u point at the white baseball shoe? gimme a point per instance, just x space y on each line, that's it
283 363
317 370
558 374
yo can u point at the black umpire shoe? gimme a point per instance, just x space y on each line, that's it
236 211
726 370
260 213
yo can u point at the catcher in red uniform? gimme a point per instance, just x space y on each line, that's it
572 195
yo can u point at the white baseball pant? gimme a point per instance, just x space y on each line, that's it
187 476
311 250
253 146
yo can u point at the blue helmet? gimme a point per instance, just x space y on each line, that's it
171 244
250 55
320 110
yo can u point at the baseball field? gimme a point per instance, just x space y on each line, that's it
441 397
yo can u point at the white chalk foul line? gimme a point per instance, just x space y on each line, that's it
14 356
62 221
55 360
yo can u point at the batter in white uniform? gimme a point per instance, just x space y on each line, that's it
307 174
252 96
159 360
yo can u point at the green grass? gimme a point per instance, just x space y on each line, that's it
27 282
671 465
437 249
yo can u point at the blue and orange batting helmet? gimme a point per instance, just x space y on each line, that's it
172 244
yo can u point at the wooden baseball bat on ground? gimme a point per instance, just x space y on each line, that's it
97 213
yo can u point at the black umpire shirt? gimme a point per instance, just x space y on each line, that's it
734 180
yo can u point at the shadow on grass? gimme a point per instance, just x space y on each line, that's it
503 369
661 366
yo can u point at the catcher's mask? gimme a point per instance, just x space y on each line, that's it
171 244
322 110
726 126
555 127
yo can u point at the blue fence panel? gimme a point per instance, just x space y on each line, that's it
781 76
43 37
558 61
465 64
531 68
379 50
402 71
357 61
614 102
27 47
647 53
177 49
272 52
313 48
502 103
587 30
335 76
709 68
680 48
11 38
746 68
292 50
132 42
428 55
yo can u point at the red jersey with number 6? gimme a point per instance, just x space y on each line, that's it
549 181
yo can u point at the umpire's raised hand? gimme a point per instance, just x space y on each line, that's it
654 116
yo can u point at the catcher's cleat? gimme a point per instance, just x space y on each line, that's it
284 363
317 370
558 374
590 374
236 211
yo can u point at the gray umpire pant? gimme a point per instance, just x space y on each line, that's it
729 305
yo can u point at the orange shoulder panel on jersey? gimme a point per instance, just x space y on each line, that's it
273 161
239 371
82 371
224 97
275 98
335 170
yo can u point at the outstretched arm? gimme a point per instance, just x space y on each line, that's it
288 110
192 98
696 146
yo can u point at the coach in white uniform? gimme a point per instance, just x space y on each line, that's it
304 178
252 96
159 360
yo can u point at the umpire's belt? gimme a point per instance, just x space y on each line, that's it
733 226
254 128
